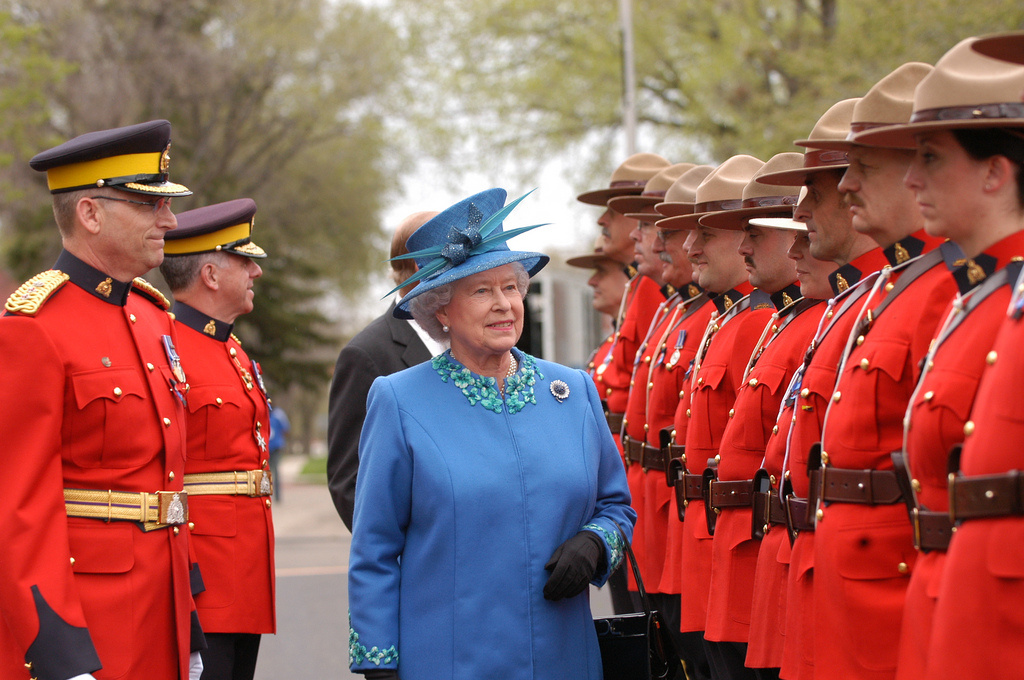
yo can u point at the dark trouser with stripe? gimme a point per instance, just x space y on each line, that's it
230 656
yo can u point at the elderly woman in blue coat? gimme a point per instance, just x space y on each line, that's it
490 492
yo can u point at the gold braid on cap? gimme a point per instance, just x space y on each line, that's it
31 295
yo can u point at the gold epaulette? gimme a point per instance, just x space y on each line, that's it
150 291
31 295
235 338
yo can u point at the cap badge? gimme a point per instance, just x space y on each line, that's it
165 159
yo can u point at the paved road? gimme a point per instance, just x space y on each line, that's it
312 599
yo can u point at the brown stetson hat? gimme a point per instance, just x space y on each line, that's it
966 90
628 178
654 192
784 223
1007 46
761 200
681 195
834 125
591 260
721 190
888 102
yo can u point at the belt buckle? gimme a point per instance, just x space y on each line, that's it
915 519
172 507
259 483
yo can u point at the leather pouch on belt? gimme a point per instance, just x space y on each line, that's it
760 518
710 513
675 475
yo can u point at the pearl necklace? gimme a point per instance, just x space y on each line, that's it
513 366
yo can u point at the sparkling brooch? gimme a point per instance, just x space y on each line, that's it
559 390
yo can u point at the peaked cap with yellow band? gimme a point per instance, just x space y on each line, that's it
135 158
221 227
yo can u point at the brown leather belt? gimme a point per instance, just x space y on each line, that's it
986 496
798 514
868 487
768 511
633 450
776 511
614 421
734 494
932 530
654 459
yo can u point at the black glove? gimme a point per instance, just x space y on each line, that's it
573 565
380 674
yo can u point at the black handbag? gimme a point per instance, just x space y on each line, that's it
637 646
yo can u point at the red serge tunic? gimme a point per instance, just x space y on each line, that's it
730 339
652 405
942 404
228 428
864 553
742 451
816 385
87 402
680 350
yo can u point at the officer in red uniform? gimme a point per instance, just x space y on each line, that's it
768 369
966 179
95 565
639 305
831 237
608 283
210 266
654 391
725 346
864 549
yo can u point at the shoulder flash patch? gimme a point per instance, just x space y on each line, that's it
31 295
149 290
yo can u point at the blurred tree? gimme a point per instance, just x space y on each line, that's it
278 100
537 77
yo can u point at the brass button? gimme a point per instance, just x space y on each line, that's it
608 392
682 393
929 395
718 459
630 383
170 475
775 430
824 458
72 560
805 392
687 413
864 363
646 427
700 381
991 357
131 317
902 568
233 352
191 526
647 359
889 286
968 428
117 391
771 478
916 485
753 382
820 514
176 531
219 401
268 502
167 422
650 386
151 367
836 397
860 340
829 314
732 412
673 433
785 475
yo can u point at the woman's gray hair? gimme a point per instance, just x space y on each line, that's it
424 307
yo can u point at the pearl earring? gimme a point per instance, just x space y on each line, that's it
444 328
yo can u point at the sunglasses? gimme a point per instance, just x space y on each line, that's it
155 206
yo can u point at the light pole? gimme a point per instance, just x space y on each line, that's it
628 75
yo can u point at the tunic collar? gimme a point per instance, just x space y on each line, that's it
785 299
93 281
202 323
851 273
969 272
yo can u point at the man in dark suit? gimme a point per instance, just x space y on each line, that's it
386 346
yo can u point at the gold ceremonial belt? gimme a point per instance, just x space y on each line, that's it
251 483
155 510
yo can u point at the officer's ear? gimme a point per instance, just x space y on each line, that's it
87 213
209 275
999 170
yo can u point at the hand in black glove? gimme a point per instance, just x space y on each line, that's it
573 565
380 674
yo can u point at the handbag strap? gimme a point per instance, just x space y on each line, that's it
636 570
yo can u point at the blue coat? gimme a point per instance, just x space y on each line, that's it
461 499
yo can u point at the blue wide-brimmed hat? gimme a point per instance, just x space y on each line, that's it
463 240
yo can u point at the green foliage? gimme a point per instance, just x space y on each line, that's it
278 100
532 77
